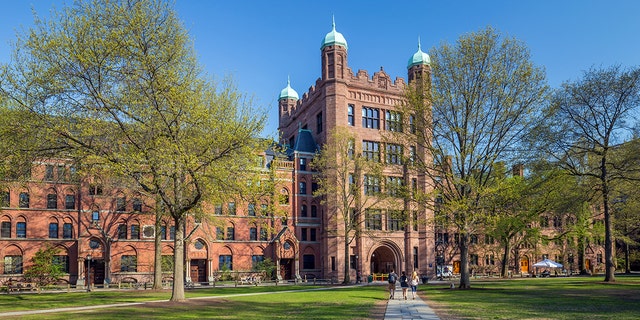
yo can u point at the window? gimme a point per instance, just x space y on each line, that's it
172 233
5 229
284 196
67 231
394 153
395 220
473 239
312 234
473 259
371 185
225 262
350 118
394 186
314 211
62 172
231 233
353 262
121 204
52 201
415 220
415 257
12 264
373 219
231 208
166 263
24 200
219 233
333 263
21 230
255 259
489 239
412 124
489 260
544 222
264 210
62 262
70 202
351 148
308 261
263 234
370 118
5 199
371 150
135 231
251 210
48 172
319 122
303 164
253 234
137 205
95 215
129 264
163 232
412 154
303 187
557 222
393 121
303 210
122 231
303 234
53 230
95 190
442 238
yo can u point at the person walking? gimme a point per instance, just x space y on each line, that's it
404 284
414 284
392 283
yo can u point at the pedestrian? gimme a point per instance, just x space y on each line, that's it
404 284
392 283
414 284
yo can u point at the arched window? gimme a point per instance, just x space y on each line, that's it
284 196
52 199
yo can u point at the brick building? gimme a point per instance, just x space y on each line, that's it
98 223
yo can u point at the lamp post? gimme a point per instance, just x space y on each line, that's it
88 273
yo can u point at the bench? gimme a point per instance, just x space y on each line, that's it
22 286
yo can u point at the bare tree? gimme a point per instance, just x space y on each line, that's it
588 120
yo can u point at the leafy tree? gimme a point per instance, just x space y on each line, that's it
117 85
485 93
44 270
341 172
588 119
267 266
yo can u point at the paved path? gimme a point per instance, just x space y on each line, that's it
398 309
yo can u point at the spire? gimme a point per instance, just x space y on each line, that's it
419 58
334 37
288 92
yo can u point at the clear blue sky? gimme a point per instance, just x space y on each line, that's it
260 43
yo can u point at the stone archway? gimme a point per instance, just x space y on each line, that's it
384 259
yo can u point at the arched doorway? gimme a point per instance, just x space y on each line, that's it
383 260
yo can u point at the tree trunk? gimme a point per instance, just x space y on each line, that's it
581 258
504 271
464 263
177 293
347 261
157 262
609 244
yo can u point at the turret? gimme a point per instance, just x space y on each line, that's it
334 55
419 65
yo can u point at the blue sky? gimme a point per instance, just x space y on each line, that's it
260 43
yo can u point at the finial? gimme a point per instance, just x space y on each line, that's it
288 81
419 49
333 22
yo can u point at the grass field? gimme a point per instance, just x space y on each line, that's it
548 298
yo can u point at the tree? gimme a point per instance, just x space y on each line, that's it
588 119
118 85
485 93
341 173
44 268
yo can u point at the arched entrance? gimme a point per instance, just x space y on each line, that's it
383 260
524 265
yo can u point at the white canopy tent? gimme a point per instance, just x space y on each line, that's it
547 263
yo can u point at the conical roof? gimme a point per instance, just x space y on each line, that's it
334 38
418 58
288 92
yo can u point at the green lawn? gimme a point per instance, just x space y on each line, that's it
549 298
540 298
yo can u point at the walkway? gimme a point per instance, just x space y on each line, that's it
398 309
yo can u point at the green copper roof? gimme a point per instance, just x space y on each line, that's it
334 38
418 58
288 92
